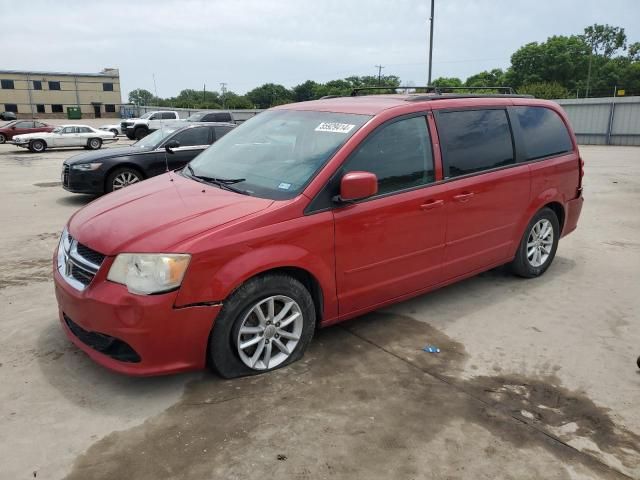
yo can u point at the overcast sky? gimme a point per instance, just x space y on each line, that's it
250 42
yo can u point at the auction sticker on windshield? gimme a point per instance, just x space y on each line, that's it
334 127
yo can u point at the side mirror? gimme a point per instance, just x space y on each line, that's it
13 127
170 145
358 185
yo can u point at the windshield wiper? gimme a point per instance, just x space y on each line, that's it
225 183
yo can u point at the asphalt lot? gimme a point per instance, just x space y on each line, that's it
535 379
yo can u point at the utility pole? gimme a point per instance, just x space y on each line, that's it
379 67
204 93
431 41
223 89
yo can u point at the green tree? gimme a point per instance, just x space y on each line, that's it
560 59
140 96
493 78
634 51
447 82
269 94
547 90
604 40
234 101
305 91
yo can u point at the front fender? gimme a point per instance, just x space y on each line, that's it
205 282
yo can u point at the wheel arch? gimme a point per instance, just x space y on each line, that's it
39 139
551 199
117 166
558 209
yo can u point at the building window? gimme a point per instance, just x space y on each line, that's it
40 108
11 107
107 87
54 85
7 84
110 108
37 85
56 109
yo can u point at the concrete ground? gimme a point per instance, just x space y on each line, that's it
535 379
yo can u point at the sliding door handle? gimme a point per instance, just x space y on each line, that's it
463 197
431 204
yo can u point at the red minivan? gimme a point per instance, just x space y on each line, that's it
307 215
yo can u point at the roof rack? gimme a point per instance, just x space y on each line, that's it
436 90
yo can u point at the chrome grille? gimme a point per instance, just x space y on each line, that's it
77 263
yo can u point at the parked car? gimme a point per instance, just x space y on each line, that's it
115 168
138 128
115 128
19 127
8 116
64 136
210 117
310 214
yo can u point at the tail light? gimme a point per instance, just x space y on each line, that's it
579 191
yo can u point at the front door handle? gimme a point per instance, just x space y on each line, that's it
463 197
431 204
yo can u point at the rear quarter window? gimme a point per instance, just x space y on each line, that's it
474 140
543 131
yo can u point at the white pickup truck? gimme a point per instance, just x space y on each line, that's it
137 128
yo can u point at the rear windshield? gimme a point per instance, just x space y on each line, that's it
277 153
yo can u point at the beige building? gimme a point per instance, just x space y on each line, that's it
49 94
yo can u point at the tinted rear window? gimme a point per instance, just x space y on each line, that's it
474 140
543 131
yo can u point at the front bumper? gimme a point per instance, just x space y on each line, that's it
79 181
163 339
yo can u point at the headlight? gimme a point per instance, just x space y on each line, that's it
63 248
86 166
147 273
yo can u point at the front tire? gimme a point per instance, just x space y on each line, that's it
121 178
140 133
115 132
264 325
538 245
37 146
94 143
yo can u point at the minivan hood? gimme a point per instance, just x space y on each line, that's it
94 155
158 214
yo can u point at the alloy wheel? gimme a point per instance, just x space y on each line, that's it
540 243
124 179
269 332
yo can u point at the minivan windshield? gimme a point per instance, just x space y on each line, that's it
276 153
154 139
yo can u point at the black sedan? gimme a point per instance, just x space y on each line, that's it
111 169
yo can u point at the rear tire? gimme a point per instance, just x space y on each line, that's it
115 132
538 245
277 341
37 146
121 178
3 138
94 143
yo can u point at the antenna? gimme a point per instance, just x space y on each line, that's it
155 90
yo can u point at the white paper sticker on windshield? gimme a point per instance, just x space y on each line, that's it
284 186
334 127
